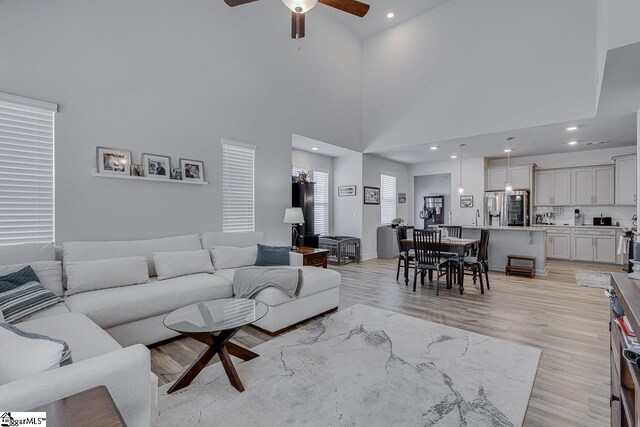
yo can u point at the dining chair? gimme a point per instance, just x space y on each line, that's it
453 230
427 244
406 254
479 264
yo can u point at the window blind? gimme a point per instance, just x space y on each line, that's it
321 205
238 187
387 198
26 171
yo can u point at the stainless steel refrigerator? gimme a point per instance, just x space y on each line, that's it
506 209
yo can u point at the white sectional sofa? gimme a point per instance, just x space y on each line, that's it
97 324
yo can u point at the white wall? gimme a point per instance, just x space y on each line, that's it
430 185
569 160
473 180
172 77
347 211
638 165
373 167
622 22
477 67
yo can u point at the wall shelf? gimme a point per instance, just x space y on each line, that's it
147 178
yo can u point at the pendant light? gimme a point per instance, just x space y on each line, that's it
508 187
461 188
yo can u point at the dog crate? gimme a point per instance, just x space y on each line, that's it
342 249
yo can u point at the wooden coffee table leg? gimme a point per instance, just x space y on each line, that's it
203 359
240 352
234 378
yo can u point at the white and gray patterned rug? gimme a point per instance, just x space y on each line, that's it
365 367
592 278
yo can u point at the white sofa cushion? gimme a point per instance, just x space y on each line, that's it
83 276
176 264
233 257
27 252
89 251
29 353
1 317
314 280
49 312
212 239
112 307
85 338
49 273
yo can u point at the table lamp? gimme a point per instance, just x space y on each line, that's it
294 217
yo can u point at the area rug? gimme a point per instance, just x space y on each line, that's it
364 367
592 278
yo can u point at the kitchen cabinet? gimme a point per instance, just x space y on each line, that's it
519 176
559 244
553 187
625 180
594 245
592 186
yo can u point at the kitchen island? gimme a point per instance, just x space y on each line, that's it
503 241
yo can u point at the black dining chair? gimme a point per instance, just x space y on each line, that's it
406 253
426 244
479 264
453 230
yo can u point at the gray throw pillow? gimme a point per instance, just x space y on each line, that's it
18 278
26 300
272 255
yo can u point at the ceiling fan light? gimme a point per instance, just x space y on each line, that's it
300 6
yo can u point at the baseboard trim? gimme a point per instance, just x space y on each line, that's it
288 328
369 255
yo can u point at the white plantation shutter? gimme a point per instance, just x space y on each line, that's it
238 187
26 170
387 198
321 202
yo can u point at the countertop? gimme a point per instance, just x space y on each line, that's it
491 227
605 227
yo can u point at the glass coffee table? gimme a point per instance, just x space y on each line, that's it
214 323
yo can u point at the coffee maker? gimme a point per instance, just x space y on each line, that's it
578 218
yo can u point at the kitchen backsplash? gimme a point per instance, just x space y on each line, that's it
564 215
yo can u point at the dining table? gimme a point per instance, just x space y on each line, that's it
455 245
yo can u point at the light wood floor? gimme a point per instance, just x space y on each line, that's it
569 323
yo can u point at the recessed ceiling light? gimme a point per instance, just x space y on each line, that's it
507 150
454 157
390 15
434 147
572 128
572 142
315 148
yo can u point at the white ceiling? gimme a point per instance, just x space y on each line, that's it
376 20
303 143
615 122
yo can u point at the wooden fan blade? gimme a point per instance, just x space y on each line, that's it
350 6
297 25
234 3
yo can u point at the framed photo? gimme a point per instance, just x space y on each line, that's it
466 201
192 170
402 198
136 170
176 173
156 166
347 191
371 196
113 161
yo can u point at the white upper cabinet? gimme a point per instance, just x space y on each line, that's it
553 187
496 179
519 176
592 186
625 181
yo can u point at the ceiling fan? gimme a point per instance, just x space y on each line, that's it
300 7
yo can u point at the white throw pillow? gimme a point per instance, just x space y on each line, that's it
232 257
175 264
83 276
29 353
49 273
27 252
